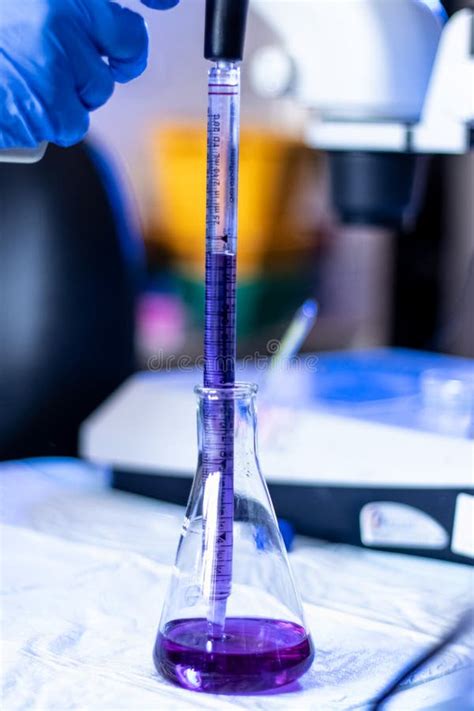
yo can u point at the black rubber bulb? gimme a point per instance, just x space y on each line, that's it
226 21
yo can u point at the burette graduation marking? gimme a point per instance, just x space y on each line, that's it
220 332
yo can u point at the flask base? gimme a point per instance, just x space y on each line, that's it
253 654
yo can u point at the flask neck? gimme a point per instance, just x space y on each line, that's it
238 404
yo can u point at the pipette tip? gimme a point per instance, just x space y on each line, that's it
310 309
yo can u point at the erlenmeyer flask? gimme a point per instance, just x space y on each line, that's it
262 642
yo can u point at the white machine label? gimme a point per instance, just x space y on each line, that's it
391 524
463 530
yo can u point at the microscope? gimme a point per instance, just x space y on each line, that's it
383 83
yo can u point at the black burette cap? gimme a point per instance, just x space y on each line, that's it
225 29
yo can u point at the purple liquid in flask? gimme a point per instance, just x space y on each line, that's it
232 620
254 654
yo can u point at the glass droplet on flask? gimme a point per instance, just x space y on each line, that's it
232 620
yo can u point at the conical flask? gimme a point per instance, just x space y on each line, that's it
231 559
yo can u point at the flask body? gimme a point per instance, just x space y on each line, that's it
261 641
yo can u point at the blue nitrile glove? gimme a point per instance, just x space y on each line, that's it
59 60
160 4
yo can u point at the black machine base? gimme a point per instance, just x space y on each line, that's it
321 511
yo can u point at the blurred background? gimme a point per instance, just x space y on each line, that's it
102 245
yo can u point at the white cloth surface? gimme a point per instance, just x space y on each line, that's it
84 572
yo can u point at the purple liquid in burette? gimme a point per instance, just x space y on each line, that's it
220 332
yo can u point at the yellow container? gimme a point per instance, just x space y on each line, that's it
179 170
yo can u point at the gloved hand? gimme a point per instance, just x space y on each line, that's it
59 60
161 4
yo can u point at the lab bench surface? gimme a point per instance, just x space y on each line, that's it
84 572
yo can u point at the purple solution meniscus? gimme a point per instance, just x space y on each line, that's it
253 654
